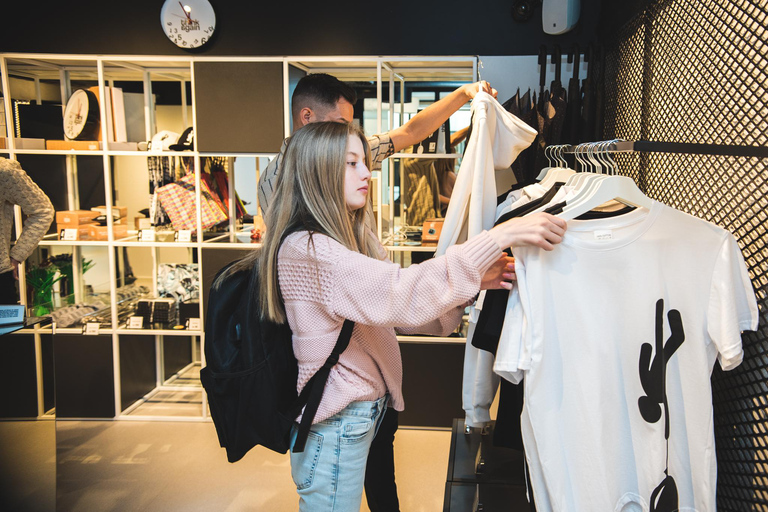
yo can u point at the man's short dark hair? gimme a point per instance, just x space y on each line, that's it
320 90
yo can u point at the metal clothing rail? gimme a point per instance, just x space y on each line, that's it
678 147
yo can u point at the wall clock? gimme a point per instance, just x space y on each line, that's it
81 116
188 23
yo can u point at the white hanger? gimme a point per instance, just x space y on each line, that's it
581 180
550 165
619 188
558 173
609 187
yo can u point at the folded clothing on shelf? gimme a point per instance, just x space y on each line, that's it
157 311
188 309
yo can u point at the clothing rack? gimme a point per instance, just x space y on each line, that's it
679 147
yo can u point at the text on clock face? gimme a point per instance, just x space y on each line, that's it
188 25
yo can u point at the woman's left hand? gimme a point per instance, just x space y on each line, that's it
500 275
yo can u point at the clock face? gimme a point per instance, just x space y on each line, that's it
188 23
81 117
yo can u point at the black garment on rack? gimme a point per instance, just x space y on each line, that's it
525 109
573 114
507 432
599 110
491 318
550 119
588 90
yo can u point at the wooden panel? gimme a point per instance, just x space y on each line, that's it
239 106
432 384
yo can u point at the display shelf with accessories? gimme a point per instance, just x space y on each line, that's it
151 182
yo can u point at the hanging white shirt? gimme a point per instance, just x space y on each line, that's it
596 313
497 138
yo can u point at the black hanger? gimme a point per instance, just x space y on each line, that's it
588 58
557 59
574 58
542 69
588 103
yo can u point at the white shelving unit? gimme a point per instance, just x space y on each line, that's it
68 71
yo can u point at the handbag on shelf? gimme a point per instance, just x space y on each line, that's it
178 201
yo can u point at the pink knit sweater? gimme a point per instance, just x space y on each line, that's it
322 287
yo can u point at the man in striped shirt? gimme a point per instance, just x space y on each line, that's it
322 97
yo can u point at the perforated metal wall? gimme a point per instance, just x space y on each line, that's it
695 71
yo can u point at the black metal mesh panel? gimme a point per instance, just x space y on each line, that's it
624 82
696 71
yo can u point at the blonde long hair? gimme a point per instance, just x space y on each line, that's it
309 196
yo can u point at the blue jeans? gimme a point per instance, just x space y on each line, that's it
330 472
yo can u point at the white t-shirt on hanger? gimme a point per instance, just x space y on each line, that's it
594 315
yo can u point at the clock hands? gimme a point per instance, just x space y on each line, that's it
189 18
79 115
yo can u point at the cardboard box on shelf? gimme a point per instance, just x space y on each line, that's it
83 231
123 146
81 145
101 232
23 143
88 145
122 211
142 223
74 218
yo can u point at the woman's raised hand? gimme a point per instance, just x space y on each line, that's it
539 229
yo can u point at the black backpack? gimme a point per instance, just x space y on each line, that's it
250 374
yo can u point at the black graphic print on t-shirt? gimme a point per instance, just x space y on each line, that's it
664 497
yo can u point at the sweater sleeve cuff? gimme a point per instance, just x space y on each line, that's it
482 250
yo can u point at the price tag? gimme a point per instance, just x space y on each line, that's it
136 322
193 324
183 235
146 235
68 234
91 328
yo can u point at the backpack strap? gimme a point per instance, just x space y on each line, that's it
313 391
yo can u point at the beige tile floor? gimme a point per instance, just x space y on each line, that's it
154 466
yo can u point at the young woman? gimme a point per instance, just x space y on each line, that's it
321 263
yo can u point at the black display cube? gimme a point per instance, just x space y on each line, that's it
483 477
18 377
85 377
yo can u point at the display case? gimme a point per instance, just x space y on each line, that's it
172 131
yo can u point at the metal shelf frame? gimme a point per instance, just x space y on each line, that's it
104 70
